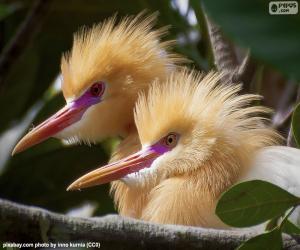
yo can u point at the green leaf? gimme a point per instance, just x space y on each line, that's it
19 86
271 224
296 124
205 45
8 9
274 39
267 241
253 202
290 228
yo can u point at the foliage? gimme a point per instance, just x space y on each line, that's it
290 228
254 202
271 239
274 39
7 9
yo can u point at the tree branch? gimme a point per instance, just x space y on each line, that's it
24 34
21 223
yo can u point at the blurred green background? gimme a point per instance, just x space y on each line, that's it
30 91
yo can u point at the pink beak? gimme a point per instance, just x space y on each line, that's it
65 117
117 170
56 123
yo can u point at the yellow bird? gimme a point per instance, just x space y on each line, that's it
101 77
199 137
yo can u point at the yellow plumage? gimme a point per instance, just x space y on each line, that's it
220 135
125 56
128 56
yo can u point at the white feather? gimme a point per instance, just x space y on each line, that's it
279 165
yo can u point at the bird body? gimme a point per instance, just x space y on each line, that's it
198 137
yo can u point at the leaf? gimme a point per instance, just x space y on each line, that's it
290 228
271 224
296 124
8 9
204 44
19 87
267 241
253 202
274 39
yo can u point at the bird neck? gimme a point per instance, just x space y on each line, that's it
180 200
188 199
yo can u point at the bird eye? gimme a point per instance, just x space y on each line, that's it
97 89
171 140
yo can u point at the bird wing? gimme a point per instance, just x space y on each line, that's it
279 165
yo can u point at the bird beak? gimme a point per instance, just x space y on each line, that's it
68 115
114 171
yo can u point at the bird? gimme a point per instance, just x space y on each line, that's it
199 137
108 65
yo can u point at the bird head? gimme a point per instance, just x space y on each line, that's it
193 123
101 76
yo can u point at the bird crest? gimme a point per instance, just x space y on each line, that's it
203 105
126 54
